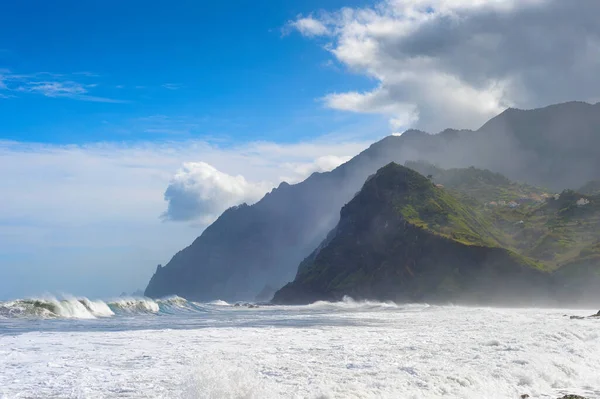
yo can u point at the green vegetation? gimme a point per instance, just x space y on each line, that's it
455 233
553 229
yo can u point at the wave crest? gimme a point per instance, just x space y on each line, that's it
70 308
134 305
84 308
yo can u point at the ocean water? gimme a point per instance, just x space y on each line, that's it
172 348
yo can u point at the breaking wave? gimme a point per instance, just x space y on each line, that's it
219 303
351 304
84 308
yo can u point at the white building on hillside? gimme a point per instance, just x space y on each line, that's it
582 202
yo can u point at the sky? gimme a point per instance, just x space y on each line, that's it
128 127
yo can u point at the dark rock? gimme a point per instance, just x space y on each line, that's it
577 317
524 396
572 397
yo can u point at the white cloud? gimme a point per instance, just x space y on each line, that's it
198 190
308 26
378 102
55 89
73 217
456 63
51 85
112 182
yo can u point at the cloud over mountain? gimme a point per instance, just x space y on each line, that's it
456 63
198 190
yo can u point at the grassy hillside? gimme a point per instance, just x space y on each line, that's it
553 229
427 206
404 238
461 234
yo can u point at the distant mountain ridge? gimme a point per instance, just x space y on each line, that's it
251 247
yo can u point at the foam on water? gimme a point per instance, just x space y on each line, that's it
219 302
350 304
340 350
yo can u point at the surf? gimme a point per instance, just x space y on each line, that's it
69 307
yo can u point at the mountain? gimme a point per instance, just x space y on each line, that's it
253 247
250 248
404 237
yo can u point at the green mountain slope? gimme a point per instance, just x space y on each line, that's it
554 229
403 238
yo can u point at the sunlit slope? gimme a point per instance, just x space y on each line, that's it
404 238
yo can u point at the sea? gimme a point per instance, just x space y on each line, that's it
173 348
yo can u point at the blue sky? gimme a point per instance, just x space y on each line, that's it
211 68
128 126
101 104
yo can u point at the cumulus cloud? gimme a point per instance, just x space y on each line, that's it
198 190
456 63
93 211
309 26
62 188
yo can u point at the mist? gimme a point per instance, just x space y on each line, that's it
251 247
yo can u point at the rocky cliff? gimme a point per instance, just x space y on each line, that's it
251 247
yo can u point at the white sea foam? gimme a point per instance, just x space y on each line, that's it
304 352
219 302
349 303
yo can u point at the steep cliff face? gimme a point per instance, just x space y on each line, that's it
251 247
404 239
